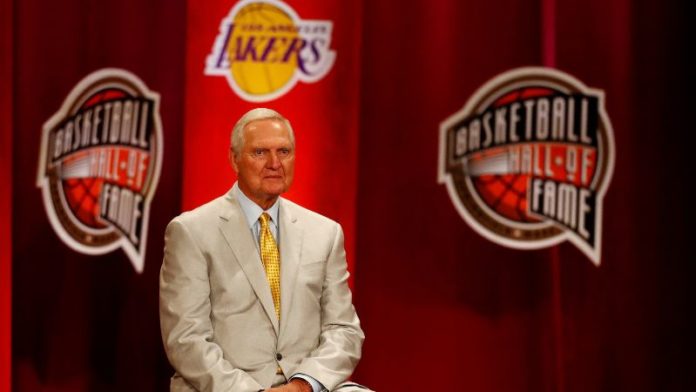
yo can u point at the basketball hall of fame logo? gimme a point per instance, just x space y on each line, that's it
528 159
99 166
263 49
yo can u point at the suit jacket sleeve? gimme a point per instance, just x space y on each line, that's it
185 307
341 338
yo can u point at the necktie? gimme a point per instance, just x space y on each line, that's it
270 257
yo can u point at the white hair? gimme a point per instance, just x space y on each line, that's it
237 136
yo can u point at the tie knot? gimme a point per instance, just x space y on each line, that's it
264 218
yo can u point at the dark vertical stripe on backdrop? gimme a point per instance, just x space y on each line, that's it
548 44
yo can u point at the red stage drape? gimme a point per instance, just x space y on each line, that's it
442 307
447 309
80 322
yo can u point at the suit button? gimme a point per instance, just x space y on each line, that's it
279 356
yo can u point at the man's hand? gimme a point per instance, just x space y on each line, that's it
295 385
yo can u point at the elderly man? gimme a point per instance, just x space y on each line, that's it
253 288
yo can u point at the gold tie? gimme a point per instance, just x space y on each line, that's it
271 260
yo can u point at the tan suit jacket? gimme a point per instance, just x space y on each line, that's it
219 326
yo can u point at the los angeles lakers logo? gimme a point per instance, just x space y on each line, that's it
528 160
264 48
100 162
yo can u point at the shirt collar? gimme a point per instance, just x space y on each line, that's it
252 211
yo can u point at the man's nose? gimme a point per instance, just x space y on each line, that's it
273 161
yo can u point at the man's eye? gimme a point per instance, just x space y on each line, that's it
283 152
258 152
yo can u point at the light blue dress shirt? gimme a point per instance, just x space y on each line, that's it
252 212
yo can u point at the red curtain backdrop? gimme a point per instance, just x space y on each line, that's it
442 307
89 323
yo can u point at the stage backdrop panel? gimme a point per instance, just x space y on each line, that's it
81 322
446 309
366 86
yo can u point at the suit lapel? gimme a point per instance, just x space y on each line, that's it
291 235
240 240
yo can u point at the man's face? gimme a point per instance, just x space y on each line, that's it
266 163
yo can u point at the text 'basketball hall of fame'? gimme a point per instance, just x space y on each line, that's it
99 164
528 160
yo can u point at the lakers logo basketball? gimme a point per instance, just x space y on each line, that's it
264 48
528 159
100 162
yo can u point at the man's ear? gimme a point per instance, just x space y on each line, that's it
233 160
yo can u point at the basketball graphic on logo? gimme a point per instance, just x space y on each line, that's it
506 194
82 196
262 48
